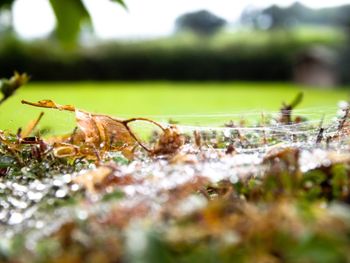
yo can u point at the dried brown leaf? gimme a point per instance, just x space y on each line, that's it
31 126
182 158
65 150
91 179
169 142
49 104
104 132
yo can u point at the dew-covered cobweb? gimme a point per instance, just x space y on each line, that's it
32 205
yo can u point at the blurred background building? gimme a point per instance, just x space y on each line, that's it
306 42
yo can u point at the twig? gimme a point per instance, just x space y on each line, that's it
31 127
320 132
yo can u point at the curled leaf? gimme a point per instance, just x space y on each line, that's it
49 104
63 151
104 132
169 142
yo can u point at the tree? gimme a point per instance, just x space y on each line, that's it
201 22
296 14
70 15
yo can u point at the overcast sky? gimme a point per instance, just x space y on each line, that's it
144 18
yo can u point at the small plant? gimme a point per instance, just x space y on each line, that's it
265 193
8 87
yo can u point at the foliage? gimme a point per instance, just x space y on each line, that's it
70 16
238 56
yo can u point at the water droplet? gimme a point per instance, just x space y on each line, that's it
227 133
57 183
4 204
15 218
3 215
17 203
82 215
39 224
61 193
234 179
20 188
75 187
38 186
67 178
343 104
35 196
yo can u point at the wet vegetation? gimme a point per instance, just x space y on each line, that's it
276 190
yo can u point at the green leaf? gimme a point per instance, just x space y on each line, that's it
6 161
113 196
70 15
297 100
121 2
6 3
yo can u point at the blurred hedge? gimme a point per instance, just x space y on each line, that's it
226 57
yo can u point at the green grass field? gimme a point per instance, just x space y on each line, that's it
190 103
